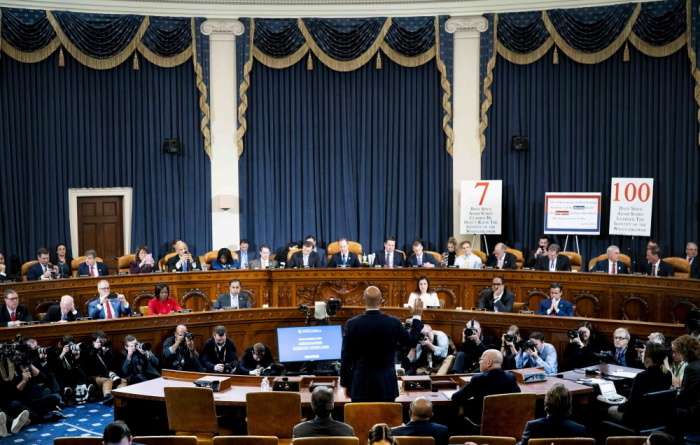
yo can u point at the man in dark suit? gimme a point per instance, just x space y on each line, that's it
500 259
691 255
245 256
4 270
323 425
420 258
498 298
420 412
344 258
65 311
557 405
534 255
140 364
656 266
42 270
234 298
555 304
367 370
553 261
12 313
306 258
264 262
91 267
492 380
612 265
219 353
388 257
105 307
321 253
184 261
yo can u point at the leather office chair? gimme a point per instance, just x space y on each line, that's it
283 407
575 259
624 258
517 307
327 441
483 440
519 259
180 403
25 268
414 440
290 253
363 416
626 440
165 440
353 246
437 256
124 262
245 440
650 417
563 441
81 259
402 253
681 266
77 441
481 255
520 409
163 263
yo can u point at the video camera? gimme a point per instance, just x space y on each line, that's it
18 352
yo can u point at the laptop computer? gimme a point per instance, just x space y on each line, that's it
608 393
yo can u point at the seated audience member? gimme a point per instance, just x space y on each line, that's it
244 255
21 392
140 364
11 312
4 270
688 399
283 254
534 255
91 267
388 257
660 438
264 262
420 258
163 303
43 270
233 299
381 434
8 425
423 292
555 304
323 425
553 261
62 260
508 348
420 412
468 259
321 253
539 354
184 261
116 433
500 259
474 343
306 258
623 355
143 263
257 360
103 367
449 257
344 258
179 351
492 380
581 350
108 305
427 356
657 267
677 368
64 311
224 260
498 298
612 264
219 353
557 405
654 378
691 255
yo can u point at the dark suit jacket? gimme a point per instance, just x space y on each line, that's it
426 258
424 429
352 261
688 400
471 396
367 357
649 380
118 309
21 314
505 304
194 265
297 260
380 259
604 266
54 314
665 269
551 427
323 427
566 309
509 261
561 263
322 255
102 269
210 357
224 300
35 272
695 268
251 256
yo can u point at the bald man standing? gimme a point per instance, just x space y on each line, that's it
420 412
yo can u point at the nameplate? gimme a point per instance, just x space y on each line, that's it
33 322
122 273
83 319
136 315
529 375
479 309
228 308
184 311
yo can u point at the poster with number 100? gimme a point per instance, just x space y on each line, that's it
631 205
481 207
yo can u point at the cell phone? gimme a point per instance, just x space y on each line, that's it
112 296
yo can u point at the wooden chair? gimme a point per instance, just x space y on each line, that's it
245 440
181 403
520 409
290 253
626 440
77 441
353 246
680 265
519 259
166 440
437 256
25 268
576 260
273 414
414 440
163 263
77 261
624 258
483 440
363 416
481 255
563 441
327 441
124 262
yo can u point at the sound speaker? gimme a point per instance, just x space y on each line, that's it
520 143
172 146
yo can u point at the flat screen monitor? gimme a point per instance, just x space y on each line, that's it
309 343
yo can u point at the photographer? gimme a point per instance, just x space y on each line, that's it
101 366
581 350
71 376
180 353
257 360
536 352
509 340
429 353
46 361
219 353
474 343
140 364
22 391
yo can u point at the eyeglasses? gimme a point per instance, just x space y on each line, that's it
619 338
102 288
11 299
496 284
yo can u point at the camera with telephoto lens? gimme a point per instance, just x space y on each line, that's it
107 344
468 332
76 346
639 344
188 335
265 371
422 337
142 346
509 338
573 333
42 351
524 345
229 368
113 375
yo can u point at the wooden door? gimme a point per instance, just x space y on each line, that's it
100 228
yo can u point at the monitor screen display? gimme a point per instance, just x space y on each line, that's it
309 343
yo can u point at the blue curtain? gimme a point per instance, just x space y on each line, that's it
75 127
588 124
358 154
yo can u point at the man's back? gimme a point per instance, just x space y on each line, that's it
423 428
495 381
323 427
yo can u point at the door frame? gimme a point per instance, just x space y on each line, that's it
127 199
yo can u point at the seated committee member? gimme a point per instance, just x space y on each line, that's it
244 255
184 261
344 258
500 259
534 255
257 360
143 263
388 257
542 355
430 299
224 260
612 264
555 304
498 298
163 303
323 425
420 258
657 267
321 253
64 311
264 262
420 412
179 351
91 267
108 305
62 260
219 353
306 258
468 260
557 405
233 299
474 343
43 270
448 258
691 255
11 312
140 364
553 261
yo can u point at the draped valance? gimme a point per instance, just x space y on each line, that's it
345 45
104 41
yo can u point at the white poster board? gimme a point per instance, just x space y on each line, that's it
481 207
630 206
572 213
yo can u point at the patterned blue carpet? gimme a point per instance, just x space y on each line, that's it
81 421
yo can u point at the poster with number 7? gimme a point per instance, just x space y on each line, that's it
481 207
631 205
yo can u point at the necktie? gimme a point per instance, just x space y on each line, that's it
551 265
345 260
184 266
264 264
420 260
653 270
500 263
92 271
614 268
244 258
63 317
108 309
12 316
388 260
